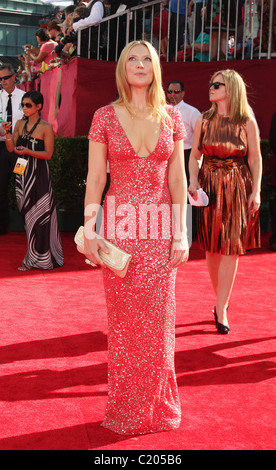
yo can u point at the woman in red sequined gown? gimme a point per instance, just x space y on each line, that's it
230 225
142 139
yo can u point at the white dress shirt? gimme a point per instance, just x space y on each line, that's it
189 116
17 112
96 15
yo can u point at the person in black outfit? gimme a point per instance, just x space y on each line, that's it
33 141
10 110
122 27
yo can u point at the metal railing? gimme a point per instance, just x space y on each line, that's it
246 30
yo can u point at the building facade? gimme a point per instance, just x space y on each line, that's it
19 21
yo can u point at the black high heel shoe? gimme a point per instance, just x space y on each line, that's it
216 316
223 329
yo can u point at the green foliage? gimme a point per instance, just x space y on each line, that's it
68 170
268 179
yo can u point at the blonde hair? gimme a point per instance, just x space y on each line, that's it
156 94
239 111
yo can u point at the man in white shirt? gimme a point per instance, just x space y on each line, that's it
175 97
10 110
96 8
96 15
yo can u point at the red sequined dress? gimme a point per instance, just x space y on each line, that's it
142 389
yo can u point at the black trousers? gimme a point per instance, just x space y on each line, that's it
173 29
7 162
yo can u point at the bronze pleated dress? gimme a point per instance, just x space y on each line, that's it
225 225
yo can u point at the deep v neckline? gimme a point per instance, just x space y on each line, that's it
130 144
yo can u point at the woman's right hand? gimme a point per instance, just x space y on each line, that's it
91 249
6 125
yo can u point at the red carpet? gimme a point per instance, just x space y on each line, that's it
53 359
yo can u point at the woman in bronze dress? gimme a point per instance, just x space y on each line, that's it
230 225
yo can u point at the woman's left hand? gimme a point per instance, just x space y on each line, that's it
21 150
179 252
254 203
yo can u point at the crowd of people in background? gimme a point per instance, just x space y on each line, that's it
194 30
57 39
56 43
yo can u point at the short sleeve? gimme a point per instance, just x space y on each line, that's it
48 47
179 131
97 131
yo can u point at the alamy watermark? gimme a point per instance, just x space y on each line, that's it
147 221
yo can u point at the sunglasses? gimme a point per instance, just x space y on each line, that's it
174 91
6 77
216 85
26 105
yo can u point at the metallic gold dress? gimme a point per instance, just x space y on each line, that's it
225 226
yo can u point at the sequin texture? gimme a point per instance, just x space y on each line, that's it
142 389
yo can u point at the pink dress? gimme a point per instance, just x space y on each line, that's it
142 389
48 47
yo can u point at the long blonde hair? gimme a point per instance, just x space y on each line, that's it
239 111
156 94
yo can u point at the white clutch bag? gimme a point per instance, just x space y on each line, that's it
116 260
202 198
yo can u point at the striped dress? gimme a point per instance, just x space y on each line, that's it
35 202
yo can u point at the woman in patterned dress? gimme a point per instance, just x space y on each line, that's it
33 140
230 225
142 139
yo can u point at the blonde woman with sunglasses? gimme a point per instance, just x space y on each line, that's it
230 225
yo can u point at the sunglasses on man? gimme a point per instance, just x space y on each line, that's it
216 85
176 92
6 77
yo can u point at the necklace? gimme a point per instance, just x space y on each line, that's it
140 113
26 133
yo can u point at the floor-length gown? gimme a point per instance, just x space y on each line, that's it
35 202
142 389
225 225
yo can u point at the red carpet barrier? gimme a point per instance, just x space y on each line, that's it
74 91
